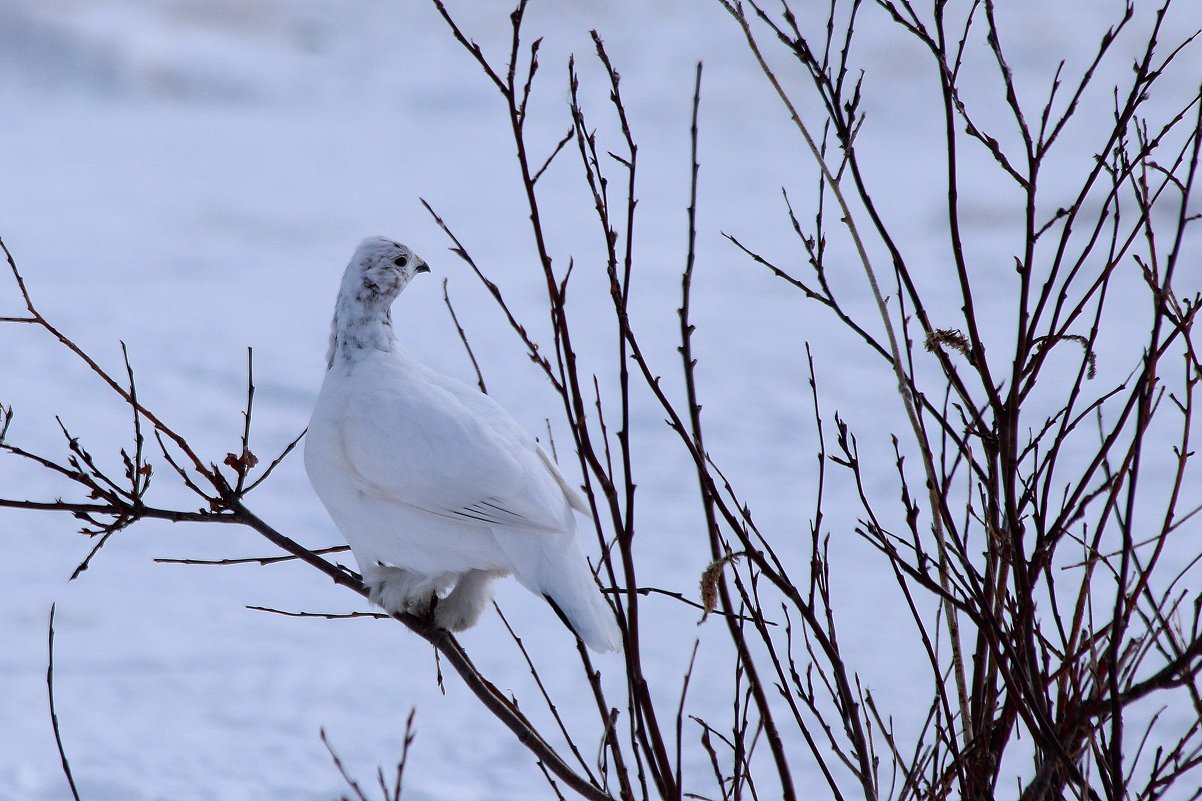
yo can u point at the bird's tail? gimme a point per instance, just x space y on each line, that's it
575 595
564 579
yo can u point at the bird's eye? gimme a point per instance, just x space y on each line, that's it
400 261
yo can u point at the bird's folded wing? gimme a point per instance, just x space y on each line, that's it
449 462
492 512
483 405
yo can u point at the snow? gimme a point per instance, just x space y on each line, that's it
189 177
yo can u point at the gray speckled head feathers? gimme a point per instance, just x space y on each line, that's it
377 272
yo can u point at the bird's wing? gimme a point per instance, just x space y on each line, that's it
479 403
417 442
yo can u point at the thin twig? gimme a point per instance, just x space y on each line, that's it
322 615
346 777
250 560
463 338
58 738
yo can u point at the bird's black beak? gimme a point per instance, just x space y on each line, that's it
422 268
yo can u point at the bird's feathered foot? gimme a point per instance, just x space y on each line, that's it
462 607
400 591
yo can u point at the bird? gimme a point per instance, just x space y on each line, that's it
436 488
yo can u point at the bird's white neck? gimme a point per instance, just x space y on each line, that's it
362 324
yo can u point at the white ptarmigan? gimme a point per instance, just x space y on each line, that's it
436 488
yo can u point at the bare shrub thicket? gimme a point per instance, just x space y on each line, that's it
1043 534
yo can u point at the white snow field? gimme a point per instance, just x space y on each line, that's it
190 177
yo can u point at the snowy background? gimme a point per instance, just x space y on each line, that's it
190 177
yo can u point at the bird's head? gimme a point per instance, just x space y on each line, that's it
380 269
